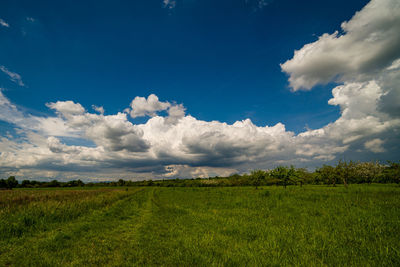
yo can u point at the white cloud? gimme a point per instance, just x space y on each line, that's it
30 19
375 145
198 172
4 24
193 147
169 146
45 125
8 111
67 108
98 109
365 59
370 43
140 106
147 107
175 113
113 132
357 100
395 65
56 146
15 77
169 4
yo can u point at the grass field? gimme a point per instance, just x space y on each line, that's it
234 226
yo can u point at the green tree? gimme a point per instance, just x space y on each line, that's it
345 171
301 176
392 172
3 183
11 182
53 183
257 177
283 174
327 174
368 171
26 183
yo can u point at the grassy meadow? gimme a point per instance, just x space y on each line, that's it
233 226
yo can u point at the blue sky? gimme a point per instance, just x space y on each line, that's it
221 60
198 53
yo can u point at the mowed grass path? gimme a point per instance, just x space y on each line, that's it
309 226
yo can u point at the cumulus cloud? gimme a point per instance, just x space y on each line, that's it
56 146
183 147
114 132
175 113
98 109
140 106
67 108
375 145
4 24
46 126
147 107
192 146
369 43
15 77
365 61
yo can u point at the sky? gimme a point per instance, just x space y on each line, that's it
102 90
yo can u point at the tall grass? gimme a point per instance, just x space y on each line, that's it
26 211
309 226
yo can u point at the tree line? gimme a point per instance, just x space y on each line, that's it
342 173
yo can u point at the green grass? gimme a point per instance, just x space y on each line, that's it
238 226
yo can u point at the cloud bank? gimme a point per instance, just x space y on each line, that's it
76 143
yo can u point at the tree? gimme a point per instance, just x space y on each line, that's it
11 182
26 183
3 183
53 183
392 172
256 177
368 171
301 176
282 173
121 182
345 171
291 175
328 175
